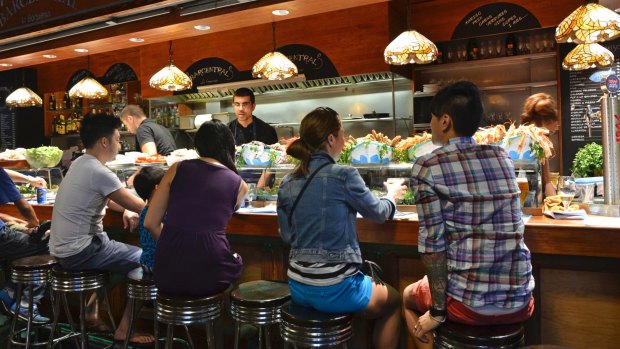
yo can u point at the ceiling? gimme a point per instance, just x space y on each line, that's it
169 24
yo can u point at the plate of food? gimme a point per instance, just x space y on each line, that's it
151 160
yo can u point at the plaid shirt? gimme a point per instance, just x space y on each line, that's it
468 206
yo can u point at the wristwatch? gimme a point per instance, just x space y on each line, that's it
438 313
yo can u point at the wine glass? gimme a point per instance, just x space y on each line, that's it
251 193
566 190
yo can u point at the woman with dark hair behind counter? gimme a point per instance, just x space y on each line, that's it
540 109
320 225
198 198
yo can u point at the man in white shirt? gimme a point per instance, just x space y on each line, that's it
77 239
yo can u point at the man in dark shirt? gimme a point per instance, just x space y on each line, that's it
248 127
152 138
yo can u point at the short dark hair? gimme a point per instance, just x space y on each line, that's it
245 92
215 140
133 110
95 126
146 179
460 100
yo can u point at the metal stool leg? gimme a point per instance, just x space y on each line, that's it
56 311
70 318
83 335
267 336
132 309
169 336
107 300
210 335
237 334
30 313
189 338
155 327
18 300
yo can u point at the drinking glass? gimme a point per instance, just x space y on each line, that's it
251 193
566 190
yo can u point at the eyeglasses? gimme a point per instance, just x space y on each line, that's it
242 105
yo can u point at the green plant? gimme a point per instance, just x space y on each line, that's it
588 161
537 150
399 155
408 198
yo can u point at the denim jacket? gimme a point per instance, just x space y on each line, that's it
322 226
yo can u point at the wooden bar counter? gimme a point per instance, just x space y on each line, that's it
576 266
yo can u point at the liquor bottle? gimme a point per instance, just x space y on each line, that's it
472 50
66 101
52 102
439 59
511 45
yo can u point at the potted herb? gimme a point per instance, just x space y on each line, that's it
588 161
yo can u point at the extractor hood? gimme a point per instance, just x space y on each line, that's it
298 83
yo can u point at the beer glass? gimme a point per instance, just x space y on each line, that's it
566 190
251 193
524 187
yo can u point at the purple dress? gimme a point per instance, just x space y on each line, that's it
193 256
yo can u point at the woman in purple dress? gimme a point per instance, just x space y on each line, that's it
198 198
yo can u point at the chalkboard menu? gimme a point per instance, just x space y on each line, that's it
77 77
581 108
310 61
117 73
495 18
7 128
209 71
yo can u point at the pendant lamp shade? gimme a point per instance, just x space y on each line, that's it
88 88
274 65
23 97
588 24
410 47
586 56
170 78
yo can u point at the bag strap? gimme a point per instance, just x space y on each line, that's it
303 189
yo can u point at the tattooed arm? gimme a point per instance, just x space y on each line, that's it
437 273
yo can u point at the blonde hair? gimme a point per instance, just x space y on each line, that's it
539 109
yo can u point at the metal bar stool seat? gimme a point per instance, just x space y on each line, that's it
29 271
140 286
309 328
65 281
455 335
181 310
258 303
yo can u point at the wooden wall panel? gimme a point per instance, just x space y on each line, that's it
581 308
437 19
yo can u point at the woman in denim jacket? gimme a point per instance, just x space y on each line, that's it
325 258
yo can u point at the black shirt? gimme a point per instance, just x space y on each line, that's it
258 130
150 131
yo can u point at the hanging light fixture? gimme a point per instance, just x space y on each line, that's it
586 56
590 23
410 47
170 78
274 65
23 97
88 88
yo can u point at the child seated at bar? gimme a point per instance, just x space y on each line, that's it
145 183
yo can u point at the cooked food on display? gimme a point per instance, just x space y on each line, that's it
490 135
13 154
151 159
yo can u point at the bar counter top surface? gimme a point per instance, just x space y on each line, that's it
596 236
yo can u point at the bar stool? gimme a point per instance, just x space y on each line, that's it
65 281
309 328
258 303
180 310
455 335
28 271
140 286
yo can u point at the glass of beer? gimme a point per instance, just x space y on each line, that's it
566 190
524 187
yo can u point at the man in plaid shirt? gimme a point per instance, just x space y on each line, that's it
478 268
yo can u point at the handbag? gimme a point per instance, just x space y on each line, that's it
368 267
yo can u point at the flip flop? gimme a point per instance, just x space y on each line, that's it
136 344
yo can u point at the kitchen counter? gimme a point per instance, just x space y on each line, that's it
576 265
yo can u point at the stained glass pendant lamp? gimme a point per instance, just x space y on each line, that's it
88 88
23 97
274 65
170 78
586 56
590 23
410 47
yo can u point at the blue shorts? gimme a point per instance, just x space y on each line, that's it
351 295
